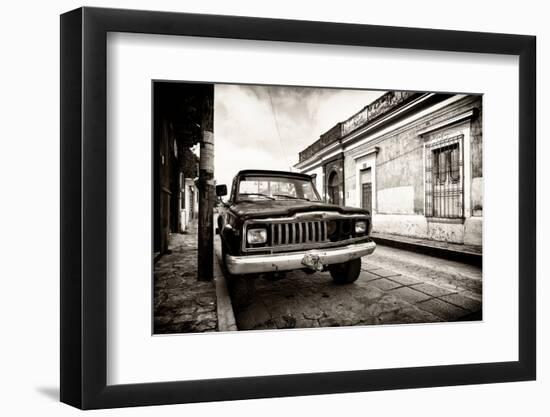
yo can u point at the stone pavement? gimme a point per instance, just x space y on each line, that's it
446 273
183 304
446 303
395 287
381 295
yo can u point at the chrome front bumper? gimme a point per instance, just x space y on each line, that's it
254 264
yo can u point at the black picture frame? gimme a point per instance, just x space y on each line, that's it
84 209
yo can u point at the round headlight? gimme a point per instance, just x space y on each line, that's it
360 227
256 236
331 227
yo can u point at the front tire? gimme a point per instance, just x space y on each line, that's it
242 288
347 272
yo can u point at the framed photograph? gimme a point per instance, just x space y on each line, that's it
259 208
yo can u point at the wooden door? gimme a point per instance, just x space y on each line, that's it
366 200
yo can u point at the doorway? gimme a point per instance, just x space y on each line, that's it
334 188
366 189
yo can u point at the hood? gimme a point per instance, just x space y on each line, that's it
274 208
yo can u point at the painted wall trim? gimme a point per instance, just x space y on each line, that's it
405 121
466 115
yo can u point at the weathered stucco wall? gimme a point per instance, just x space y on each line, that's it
350 178
476 148
399 185
413 225
400 180
398 200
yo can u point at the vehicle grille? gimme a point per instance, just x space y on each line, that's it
298 233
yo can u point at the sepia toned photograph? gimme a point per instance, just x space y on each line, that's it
284 207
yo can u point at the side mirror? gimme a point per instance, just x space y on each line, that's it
221 190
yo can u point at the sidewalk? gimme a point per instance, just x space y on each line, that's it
468 254
182 303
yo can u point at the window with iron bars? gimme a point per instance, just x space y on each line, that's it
444 178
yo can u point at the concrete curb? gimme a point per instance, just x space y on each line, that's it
470 258
226 317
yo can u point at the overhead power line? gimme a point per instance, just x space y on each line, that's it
274 113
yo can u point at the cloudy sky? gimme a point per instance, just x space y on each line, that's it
261 127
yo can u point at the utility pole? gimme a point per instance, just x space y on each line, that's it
206 188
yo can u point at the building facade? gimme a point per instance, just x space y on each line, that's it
414 160
183 189
189 209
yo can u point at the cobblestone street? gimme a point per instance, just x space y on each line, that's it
183 304
395 286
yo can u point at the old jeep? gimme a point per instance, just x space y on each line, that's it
275 221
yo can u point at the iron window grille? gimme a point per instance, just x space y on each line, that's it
445 178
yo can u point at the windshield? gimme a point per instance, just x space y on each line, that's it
276 188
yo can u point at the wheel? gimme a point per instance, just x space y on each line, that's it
242 288
347 272
224 252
